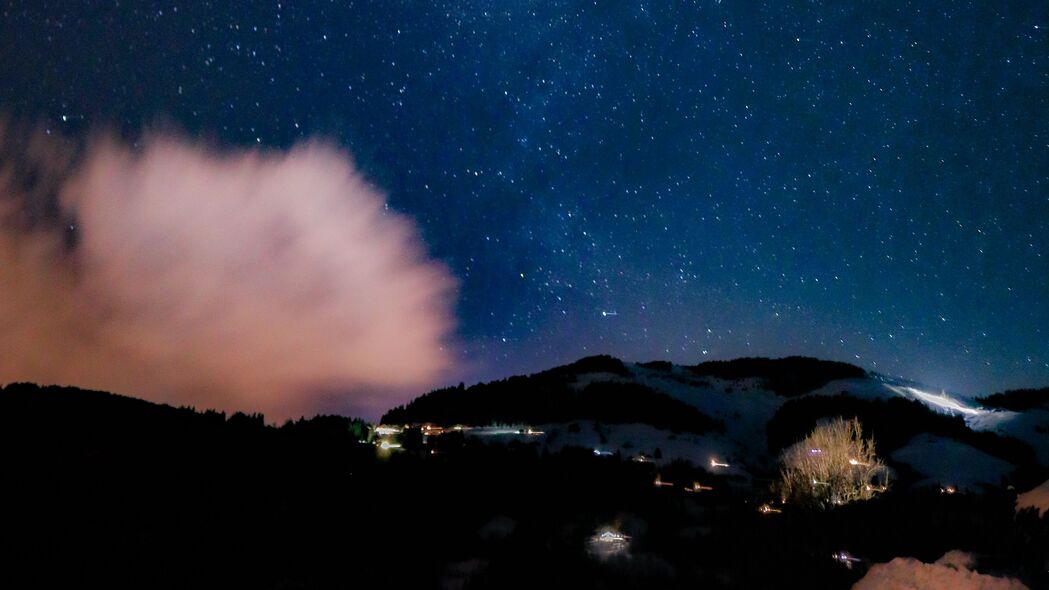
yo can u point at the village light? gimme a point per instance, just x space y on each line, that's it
608 543
659 483
844 558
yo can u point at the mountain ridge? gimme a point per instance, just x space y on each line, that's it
757 406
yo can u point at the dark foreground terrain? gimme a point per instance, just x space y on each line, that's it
107 491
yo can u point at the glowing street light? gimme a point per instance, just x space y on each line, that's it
844 558
659 483
715 463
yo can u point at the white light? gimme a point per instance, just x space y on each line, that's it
938 400
608 543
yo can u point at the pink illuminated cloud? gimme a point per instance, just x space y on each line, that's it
259 281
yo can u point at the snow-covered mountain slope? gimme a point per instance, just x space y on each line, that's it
741 397
946 462
746 406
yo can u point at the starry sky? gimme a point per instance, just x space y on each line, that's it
861 181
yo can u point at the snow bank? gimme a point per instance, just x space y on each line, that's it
950 572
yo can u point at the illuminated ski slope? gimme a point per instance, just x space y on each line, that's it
940 401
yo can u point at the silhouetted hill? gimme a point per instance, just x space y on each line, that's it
110 491
790 376
31 411
556 396
1017 400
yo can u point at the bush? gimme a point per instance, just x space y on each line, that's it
834 464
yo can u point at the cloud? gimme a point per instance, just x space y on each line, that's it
950 572
242 280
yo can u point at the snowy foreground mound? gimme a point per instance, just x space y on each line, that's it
950 572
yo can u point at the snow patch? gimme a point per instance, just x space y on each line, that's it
945 461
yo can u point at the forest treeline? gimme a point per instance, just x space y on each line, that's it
556 396
1017 400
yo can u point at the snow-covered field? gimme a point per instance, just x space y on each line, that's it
634 441
944 462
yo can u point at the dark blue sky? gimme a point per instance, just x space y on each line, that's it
864 181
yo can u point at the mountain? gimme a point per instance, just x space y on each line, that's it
743 412
117 492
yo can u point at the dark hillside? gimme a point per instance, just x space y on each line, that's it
108 491
1017 400
789 377
551 396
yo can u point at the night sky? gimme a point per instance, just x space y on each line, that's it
861 181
